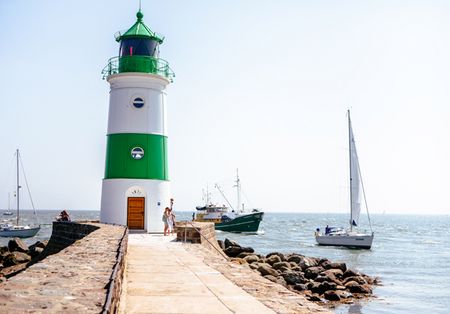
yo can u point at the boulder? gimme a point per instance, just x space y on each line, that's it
314 297
221 244
326 285
331 296
281 281
329 275
234 251
252 258
295 258
18 245
272 259
292 277
271 278
280 255
350 273
308 262
16 258
335 272
266 269
300 287
358 279
344 294
355 287
229 243
279 265
244 254
313 272
35 251
254 265
340 266
3 250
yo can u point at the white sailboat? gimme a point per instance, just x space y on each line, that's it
17 230
350 237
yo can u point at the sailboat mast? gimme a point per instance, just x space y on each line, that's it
18 186
350 167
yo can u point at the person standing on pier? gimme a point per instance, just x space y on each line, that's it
165 219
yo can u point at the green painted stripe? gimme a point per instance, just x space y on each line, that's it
120 163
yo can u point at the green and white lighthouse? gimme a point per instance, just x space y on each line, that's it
136 188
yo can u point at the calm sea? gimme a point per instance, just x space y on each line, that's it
411 254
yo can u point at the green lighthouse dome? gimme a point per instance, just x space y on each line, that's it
138 52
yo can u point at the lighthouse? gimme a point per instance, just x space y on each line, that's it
135 188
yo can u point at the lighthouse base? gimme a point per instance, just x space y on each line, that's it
136 203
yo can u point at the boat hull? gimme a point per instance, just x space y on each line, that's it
359 241
242 223
19 233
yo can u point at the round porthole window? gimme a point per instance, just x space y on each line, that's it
137 153
138 102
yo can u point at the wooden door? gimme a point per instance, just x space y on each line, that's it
136 210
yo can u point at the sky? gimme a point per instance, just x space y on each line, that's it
262 86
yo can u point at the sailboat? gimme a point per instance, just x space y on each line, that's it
350 237
8 212
17 230
239 219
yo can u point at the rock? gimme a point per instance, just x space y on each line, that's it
244 254
3 250
335 272
344 294
280 255
314 297
325 263
300 287
331 296
329 275
272 259
254 265
308 262
18 245
266 269
295 258
317 288
358 279
252 258
293 278
355 287
313 272
271 278
16 258
35 251
340 266
229 243
281 281
279 265
326 285
350 273
238 260
221 244
234 251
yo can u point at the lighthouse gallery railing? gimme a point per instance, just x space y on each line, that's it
142 64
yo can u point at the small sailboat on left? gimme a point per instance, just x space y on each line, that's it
8 212
17 230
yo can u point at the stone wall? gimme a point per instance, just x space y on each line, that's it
203 233
82 273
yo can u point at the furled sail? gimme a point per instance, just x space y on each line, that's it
355 182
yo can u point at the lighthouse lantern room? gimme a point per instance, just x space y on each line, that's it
135 188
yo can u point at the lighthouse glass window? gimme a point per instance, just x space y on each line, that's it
137 153
138 102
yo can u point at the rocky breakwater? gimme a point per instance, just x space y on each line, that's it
318 279
17 255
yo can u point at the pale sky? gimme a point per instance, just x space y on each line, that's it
262 86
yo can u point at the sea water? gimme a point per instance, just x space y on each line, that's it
410 254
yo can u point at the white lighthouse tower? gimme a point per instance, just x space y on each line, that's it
135 187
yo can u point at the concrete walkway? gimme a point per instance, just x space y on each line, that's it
162 277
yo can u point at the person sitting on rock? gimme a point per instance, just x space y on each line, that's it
63 216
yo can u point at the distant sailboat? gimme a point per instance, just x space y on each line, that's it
17 230
340 236
9 212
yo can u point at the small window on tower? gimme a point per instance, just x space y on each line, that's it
138 102
137 153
